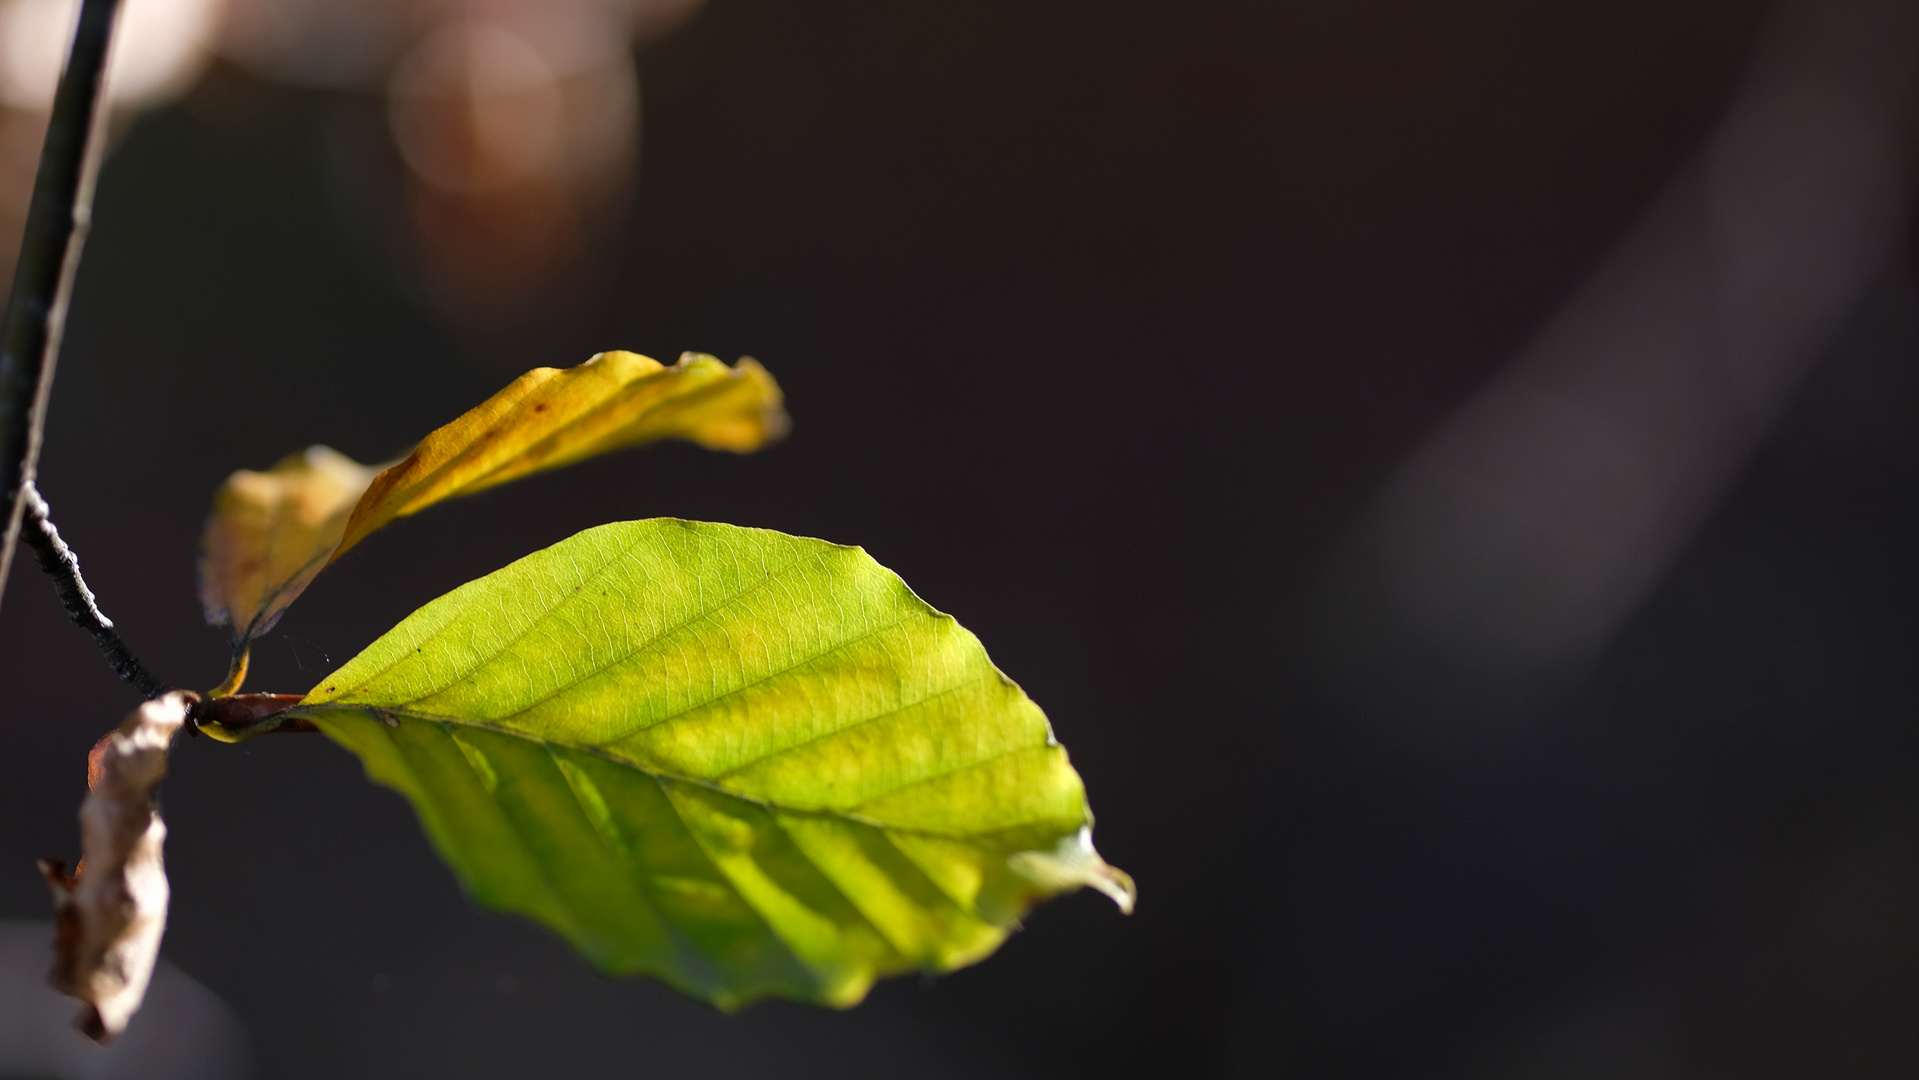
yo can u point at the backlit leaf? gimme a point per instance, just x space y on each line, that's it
551 417
748 763
272 532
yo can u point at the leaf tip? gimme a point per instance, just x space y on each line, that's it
1074 864
1118 885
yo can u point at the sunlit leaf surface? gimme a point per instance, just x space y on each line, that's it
748 763
271 532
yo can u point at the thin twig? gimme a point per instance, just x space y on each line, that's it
63 566
56 229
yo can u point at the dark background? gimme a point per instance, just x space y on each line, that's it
1103 324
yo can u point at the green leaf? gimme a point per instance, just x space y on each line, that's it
748 763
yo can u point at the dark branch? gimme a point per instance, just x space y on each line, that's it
63 566
49 254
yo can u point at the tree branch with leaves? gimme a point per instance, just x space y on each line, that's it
746 763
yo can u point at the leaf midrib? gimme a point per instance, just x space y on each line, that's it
318 711
767 577
597 573
683 713
648 645
621 395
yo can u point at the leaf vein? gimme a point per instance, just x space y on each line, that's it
775 754
636 650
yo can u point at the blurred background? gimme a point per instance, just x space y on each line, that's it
1450 472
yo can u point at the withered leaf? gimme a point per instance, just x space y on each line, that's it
113 911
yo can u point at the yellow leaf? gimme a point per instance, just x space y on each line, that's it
271 533
551 417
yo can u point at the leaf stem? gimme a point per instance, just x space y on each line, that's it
56 229
236 675
63 566
239 717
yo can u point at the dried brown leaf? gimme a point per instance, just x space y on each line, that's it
113 910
